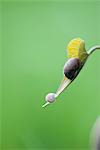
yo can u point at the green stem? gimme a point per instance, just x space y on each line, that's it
92 49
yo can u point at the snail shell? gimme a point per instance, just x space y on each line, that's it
72 68
50 97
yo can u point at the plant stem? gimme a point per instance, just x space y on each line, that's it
92 49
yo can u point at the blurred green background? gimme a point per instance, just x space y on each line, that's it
34 36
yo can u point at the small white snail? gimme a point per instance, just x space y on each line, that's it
50 98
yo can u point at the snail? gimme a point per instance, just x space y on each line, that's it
77 57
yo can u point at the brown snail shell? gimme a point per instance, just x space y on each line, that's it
72 68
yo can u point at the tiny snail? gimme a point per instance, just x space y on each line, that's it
50 97
77 57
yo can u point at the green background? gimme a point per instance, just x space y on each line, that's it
33 40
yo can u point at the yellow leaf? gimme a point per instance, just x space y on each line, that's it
76 49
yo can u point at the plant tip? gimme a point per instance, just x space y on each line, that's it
47 103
